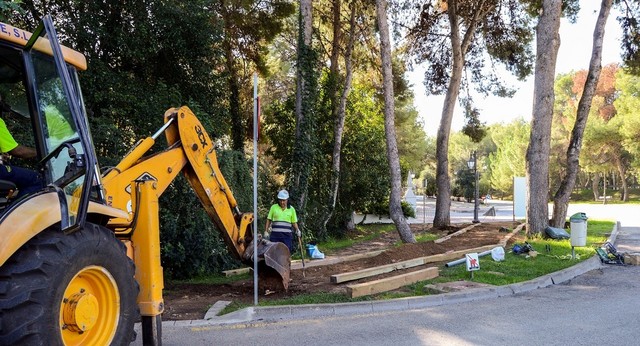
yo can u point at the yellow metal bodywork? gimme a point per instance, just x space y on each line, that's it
205 178
21 37
43 211
131 191
90 309
137 182
146 250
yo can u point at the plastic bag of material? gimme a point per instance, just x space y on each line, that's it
556 233
313 251
317 254
519 249
497 253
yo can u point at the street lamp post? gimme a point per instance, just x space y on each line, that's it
473 164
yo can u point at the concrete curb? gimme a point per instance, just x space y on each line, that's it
253 315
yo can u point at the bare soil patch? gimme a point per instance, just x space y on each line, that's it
191 301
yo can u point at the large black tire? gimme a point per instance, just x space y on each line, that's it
88 267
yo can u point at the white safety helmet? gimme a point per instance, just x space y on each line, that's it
283 194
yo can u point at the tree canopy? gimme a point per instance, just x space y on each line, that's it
319 63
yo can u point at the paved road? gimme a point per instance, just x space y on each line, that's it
600 306
463 212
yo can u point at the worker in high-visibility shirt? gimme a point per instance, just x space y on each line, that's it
282 221
26 180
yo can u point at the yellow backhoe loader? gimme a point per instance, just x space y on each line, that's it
80 259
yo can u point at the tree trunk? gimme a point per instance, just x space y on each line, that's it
337 33
595 182
442 216
561 198
459 47
622 172
340 114
237 127
305 31
604 188
305 108
537 157
395 207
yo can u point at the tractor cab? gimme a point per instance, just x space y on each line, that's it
41 105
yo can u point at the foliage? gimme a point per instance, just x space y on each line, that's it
364 170
627 105
410 135
464 184
144 57
630 22
304 150
504 32
507 161
8 5
249 26
474 128
383 209
190 243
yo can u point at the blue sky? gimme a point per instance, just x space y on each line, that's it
574 54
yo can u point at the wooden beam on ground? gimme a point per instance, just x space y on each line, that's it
504 241
391 283
368 272
453 255
329 260
234 272
464 230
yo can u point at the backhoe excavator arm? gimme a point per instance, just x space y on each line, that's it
137 182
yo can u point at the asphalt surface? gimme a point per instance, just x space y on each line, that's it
567 307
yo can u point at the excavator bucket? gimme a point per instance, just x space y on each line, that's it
274 264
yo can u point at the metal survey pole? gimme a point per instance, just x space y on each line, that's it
255 188
424 206
473 164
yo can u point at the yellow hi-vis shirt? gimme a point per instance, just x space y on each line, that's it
7 143
282 220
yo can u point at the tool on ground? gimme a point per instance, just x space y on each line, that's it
609 254
301 253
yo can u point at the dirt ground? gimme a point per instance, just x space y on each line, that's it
191 301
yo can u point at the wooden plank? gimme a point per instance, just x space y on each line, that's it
504 241
462 231
391 283
453 255
368 272
328 260
234 272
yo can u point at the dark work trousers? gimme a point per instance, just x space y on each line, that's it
26 180
283 237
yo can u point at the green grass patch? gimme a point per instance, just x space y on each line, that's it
425 237
586 196
518 268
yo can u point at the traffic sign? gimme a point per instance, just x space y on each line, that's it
473 263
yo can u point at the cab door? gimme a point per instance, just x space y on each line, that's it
65 142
